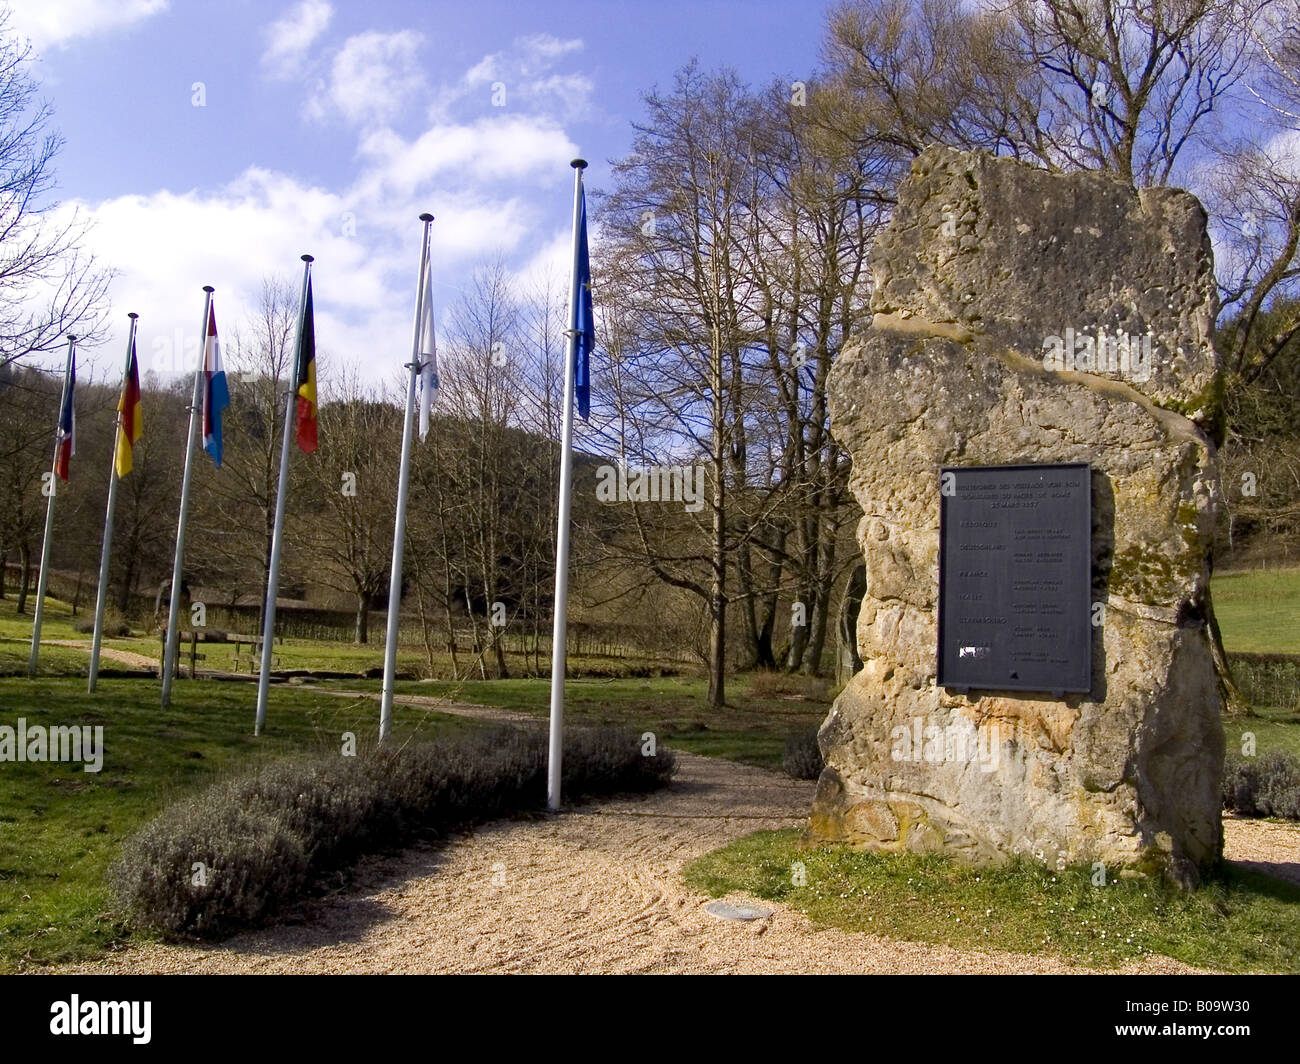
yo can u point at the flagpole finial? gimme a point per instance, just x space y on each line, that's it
132 314
208 288
308 258
426 217
579 164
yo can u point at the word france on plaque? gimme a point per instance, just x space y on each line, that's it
1015 577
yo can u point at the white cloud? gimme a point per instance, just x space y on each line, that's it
53 23
165 246
290 36
509 147
372 78
497 182
524 70
526 58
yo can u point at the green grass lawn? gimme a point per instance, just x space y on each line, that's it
761 710
16 638
1273 731
60 826
1259 610
1241 922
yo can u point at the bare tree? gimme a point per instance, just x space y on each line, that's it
1119 85
49 285
353 482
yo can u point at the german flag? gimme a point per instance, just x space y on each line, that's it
307 380
130 420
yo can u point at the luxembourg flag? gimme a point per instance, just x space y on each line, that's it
216 396
65 437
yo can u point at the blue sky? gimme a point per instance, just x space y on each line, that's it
328 126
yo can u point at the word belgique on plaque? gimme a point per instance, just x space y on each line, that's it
1015 577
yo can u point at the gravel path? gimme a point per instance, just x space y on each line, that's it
598 889
494 714
1270 846
122 657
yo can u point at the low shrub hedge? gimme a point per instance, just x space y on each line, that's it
241 850
802 757
1263 786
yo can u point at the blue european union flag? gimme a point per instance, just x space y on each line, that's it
583 321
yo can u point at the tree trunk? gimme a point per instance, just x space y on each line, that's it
766 656
718 644
24 560
426 629
718 602
812 662
1234 705
128 579
748 606
812 658
498 651
363 619
799 634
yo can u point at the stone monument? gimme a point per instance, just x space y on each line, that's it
1025 318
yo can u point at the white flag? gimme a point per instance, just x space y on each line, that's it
428 355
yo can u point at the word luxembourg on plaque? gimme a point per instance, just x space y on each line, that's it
1015 578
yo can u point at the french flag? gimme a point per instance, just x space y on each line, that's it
216 396
65 437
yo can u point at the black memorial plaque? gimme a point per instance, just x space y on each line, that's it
1015 577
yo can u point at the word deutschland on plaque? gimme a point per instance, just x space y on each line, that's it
1015 577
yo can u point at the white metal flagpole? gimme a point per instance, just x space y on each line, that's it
174 597
107 547
42 580
555 749
403 482
277 536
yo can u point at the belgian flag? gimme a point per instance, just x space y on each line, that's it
307 380
130 422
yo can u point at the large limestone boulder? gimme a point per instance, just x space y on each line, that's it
1024 317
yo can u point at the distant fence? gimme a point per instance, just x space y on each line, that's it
615 640
585 638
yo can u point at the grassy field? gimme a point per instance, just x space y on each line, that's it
761 711
290 654
16 639
1259 610
1242 922
60 826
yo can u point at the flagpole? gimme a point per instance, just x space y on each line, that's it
43 579
174 596
277 537
394 620
560 631
107 547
